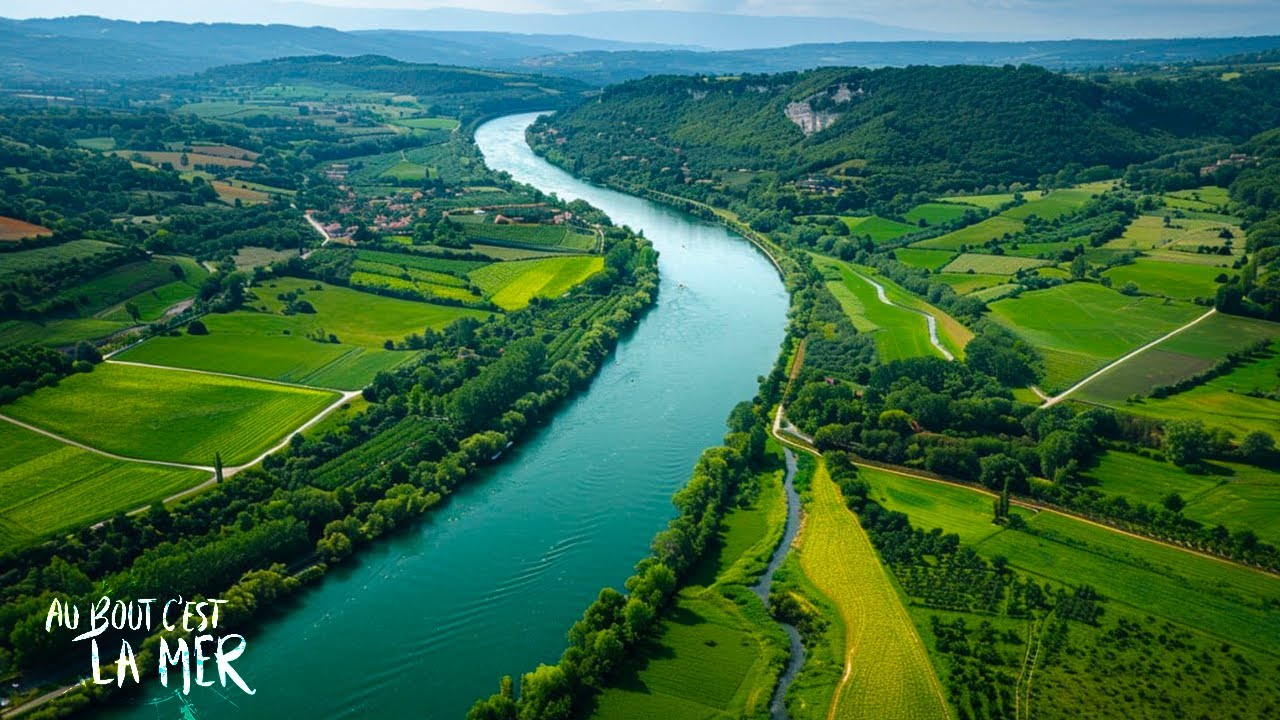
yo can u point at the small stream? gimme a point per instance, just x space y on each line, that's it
777 706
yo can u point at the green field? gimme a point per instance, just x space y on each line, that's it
935 213
57 332
1219 599
239 349
169 415
150 286
273 346
14 263
1079 327
420 262
1181 281
556 236
890 675
407 170
511 285
990 264
429 123
995 292
1055 204
991 202
877 228
978 234
951 332
716 653
1194 350
1217 404
898 332
967 283
47 486
927 259
1237 496
248 258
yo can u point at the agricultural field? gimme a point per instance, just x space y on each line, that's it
248 258
927 259
548 236
1057 203
898 332
1212 597
890 675
995 292
1079 327
711 655
13 263
1237 496
273 346
991 202
428 123
447 266
13 229
951 332
971 282
1220 403
1180 281
1191 351
47 486
978 234
174 159
170 415
231 192
877 228
1209 198
1042 250
152 285
935 213
990 264
511 285
1150 232
57 332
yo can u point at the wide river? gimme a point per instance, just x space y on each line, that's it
425 622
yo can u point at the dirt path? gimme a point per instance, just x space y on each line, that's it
96 451
227 375
930 320
345 396
318 228
1062 395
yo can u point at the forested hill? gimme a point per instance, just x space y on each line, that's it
465 93
899 129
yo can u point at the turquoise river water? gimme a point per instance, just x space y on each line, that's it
427 621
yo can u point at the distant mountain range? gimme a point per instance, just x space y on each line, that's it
90 48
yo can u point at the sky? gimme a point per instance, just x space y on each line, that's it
970 18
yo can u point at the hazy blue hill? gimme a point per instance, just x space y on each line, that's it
609 67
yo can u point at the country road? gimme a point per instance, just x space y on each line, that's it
1050 402
344 396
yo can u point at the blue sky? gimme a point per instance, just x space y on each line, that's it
977 18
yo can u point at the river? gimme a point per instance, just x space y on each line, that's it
425 622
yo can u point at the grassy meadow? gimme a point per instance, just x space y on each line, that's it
169 415
47 486
1079 327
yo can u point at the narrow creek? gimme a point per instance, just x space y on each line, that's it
763 586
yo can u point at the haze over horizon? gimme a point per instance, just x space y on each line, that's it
740 21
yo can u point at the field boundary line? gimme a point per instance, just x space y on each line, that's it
104 453
233 376
1061 396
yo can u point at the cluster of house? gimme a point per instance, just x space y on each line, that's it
1235 160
